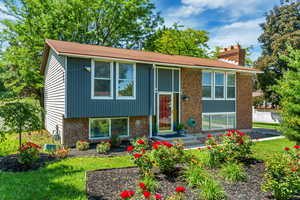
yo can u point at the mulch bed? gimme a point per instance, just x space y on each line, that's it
107 184
251 188
10 163
93 153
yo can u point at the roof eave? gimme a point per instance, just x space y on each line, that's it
157 63
44 58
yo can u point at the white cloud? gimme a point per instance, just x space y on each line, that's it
3 15
233 8
244 33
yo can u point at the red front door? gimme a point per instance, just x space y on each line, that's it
165 112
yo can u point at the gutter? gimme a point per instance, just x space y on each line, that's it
157 63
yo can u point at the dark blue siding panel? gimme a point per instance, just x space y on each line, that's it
165 80
209 106
80 104
176 81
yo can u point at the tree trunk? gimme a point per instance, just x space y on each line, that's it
20 139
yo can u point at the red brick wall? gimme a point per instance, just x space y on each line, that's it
244 100
191 87
78 128
75 129
139 126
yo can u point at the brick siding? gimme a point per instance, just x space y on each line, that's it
244 101
191 87
78 128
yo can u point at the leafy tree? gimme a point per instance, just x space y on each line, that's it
188 42
117 23
289 91
17 116
282 28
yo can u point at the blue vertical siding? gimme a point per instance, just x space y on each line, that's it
80 104
214 106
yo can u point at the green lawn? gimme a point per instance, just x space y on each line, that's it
65 180
11 144
58 181
264 149
265 125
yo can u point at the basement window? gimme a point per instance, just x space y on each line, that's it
218 121
100 128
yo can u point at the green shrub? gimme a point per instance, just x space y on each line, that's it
211 190
29 153
82 145
166 156
195 175
282 175
233 172
115 141
103 147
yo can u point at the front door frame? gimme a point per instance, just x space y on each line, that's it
158 113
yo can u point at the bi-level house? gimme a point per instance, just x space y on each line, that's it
94 92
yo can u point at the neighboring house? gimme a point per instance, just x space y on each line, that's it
93 92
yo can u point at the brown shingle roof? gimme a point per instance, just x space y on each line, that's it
62 47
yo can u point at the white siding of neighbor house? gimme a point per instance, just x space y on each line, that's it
54 92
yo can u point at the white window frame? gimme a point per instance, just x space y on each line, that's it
134 81
122 136
231 86
211 85
98 138
219 113
93 80
109 122
224 85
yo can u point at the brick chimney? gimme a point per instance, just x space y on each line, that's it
234 54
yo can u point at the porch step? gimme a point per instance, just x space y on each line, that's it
187 140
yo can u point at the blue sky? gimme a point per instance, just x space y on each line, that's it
227 21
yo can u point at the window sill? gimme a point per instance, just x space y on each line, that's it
99 138
126 98
102 98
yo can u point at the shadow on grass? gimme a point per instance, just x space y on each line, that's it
57 181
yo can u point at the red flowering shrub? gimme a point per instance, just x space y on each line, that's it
166 155
61 153
127 194
147 194
233 145
143 193
282 174
29 153
82 145
140 145
180 189
157 196
140 155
